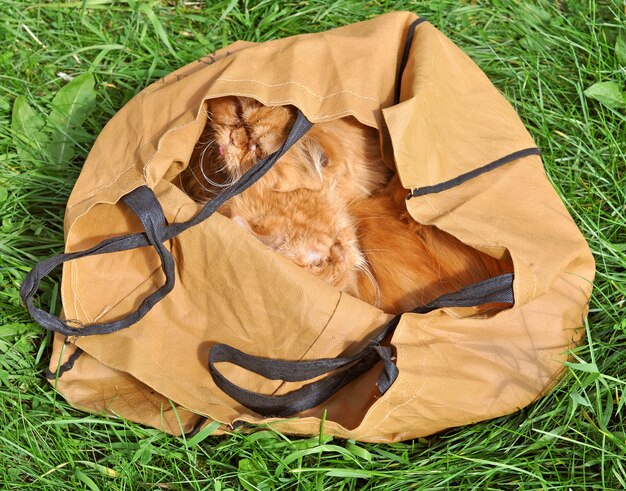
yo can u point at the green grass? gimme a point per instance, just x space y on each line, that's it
541 55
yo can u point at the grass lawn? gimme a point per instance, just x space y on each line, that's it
562 64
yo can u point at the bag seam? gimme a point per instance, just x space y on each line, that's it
318 96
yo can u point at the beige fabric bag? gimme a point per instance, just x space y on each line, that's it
456 143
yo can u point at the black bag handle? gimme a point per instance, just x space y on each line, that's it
498 289
144 203
405 55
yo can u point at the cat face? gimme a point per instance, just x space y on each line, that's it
245 131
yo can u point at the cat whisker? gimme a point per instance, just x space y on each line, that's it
225 184
206 143
205 112
203 154
224 170
363 267
200 182
390 252
343 211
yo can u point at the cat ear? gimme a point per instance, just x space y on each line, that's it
302 167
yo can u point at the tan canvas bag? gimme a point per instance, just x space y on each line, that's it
472 170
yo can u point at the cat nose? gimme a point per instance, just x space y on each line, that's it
238 137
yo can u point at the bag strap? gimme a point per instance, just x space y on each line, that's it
498 289
144 203
405 55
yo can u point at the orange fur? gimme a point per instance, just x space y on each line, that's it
239 132
317 208
300 207
412 264
311 228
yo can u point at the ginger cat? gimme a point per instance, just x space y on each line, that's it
300 207
323 206
412 264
